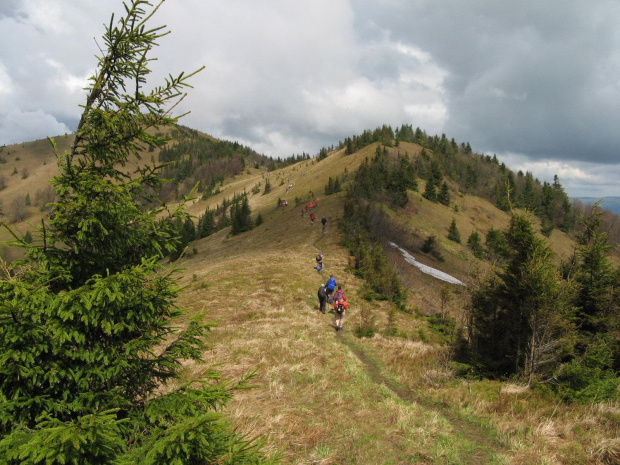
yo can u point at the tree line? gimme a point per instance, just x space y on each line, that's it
477 174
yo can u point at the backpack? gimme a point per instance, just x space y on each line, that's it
319 258
340 308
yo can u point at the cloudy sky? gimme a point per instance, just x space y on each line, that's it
535 82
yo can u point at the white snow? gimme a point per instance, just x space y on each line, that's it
427 269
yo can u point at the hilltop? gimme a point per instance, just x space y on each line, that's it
327 397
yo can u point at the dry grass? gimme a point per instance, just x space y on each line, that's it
315 399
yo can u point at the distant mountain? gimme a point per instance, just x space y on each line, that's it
608 203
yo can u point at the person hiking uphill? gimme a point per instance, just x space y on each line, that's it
330 286
322 294
339 295
340 308
324 223
319 262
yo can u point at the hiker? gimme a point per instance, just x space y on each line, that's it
302 212
322 294
324 223
330 285
312 217
339 295
319 261
340 307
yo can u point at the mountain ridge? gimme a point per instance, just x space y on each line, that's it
327 397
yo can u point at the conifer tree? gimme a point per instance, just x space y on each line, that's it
87 341
521 318
207 223
443 196
474 243
597 296
453 232
430 192
240 216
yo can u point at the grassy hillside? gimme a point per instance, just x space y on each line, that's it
327 397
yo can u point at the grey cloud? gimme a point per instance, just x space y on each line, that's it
535 78
523 77
9 8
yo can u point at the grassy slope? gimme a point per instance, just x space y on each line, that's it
326 397
329 398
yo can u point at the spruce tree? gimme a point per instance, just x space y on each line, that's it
207 224
443 196
474 243
87 337
240 212
521 317
453 232
597 286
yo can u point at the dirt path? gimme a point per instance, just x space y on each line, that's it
483 449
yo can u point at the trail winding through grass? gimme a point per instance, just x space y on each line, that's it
484 450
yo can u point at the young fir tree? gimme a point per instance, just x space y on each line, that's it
207 223
592 373
453 232
240 212
87 339
443 196
521 317
597 297
475 244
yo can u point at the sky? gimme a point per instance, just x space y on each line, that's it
536 83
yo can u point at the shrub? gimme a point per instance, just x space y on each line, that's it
431 245
367 326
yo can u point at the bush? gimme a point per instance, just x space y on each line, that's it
432 246
589 378
367 326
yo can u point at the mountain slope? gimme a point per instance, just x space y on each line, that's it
327 397
330 398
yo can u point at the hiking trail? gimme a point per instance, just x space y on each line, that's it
484 450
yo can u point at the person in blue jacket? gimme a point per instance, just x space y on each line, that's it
330 286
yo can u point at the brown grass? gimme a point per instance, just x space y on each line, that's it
328 398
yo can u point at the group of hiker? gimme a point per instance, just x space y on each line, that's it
327 293
310 206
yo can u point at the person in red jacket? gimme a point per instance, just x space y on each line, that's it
340 307
339 295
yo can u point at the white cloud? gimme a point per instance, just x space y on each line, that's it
44 15
6 85
19 126
579 179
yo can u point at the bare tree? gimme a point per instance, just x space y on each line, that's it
17 210
44 196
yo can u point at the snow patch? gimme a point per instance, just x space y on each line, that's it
427 269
